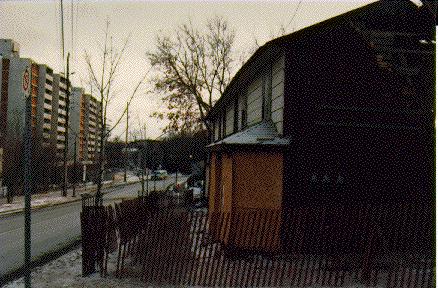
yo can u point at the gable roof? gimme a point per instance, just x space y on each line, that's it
387 12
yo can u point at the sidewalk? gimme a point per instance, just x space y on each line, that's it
52 198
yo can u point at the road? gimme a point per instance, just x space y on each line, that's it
54 227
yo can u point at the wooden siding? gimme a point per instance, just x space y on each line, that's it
277 106
254 101
229 119
227 182
212 199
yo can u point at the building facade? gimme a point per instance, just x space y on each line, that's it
44 105
49 110
12 101
59 114
338 113
9 48
85 125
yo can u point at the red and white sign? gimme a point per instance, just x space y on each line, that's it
26 81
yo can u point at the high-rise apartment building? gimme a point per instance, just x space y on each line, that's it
12 99
85 125
49 109
9 48
59 113
44 106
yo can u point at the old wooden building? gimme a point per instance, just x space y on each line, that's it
339 112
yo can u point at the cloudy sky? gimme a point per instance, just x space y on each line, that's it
36 26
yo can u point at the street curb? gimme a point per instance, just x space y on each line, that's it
36 208
41 260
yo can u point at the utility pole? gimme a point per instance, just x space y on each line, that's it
27 91
155 179
126 140
74 169
67 101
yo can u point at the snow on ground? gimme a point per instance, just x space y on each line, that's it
53 198
37 201
66 272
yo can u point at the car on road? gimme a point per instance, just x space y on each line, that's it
159 175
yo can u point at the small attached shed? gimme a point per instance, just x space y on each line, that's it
243 167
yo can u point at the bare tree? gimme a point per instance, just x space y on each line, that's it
194 68
102 77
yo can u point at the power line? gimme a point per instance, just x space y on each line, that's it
293 16
62 32
76 30
71 20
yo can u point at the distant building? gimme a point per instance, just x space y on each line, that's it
12 101
9 48
44 105
59 114
338 113
49 109
84 121
90 117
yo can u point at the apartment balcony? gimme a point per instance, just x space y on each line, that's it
61 129
46 125
61 121
47 106
46 135
60 145
48 96
62 111
49 77
62 85
60 137
62 102
48 86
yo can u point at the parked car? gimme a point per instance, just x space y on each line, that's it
197 192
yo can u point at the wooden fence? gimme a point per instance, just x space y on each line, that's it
385 246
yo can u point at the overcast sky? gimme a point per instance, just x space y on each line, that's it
36 26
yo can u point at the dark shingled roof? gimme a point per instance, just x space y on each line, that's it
381 9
